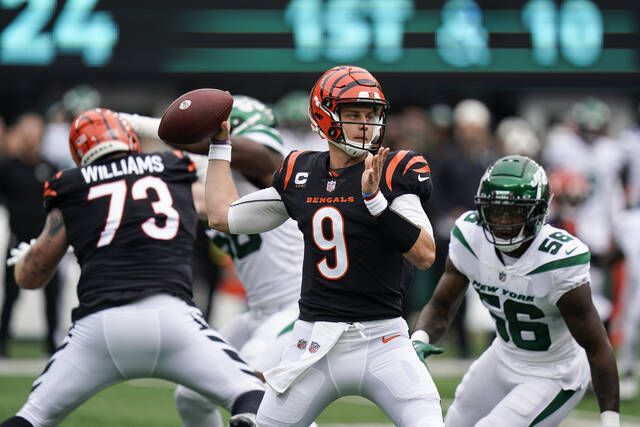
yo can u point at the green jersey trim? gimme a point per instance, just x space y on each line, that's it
275 135
458 235
560 399
561 263
287 328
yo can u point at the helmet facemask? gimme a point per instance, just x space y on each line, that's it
512 202
508 223
360 144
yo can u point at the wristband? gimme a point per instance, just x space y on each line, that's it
420 335
220 151
610 419
220 141
375 202
402 232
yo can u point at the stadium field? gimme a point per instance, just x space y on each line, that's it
142 403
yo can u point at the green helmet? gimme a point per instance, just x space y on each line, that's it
512 201
591 114
249 114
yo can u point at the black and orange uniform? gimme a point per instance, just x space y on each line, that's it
351 272
115 211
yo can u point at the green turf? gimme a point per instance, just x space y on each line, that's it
150 403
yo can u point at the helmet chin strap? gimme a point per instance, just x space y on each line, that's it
504 246
351 151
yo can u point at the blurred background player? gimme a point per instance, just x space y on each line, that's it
584 147
626 231
22 174
131 220
456 173
534 280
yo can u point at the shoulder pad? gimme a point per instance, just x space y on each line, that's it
406 172
264 135
466 231
282 178
58 188
557 249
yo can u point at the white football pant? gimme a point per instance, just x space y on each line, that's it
493 395
375 360
157 337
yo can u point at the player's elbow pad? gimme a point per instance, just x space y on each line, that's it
402 232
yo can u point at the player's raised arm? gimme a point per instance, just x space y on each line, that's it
36 262
584 324
219 186
413 240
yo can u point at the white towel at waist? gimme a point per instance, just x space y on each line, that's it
320 338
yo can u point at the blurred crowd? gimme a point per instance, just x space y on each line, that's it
594 173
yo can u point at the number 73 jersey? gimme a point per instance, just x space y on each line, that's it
522 297
132 224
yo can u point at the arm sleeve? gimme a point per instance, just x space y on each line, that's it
257 212
410 207
145 127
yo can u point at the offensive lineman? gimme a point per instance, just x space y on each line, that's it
534 280
268 264
131 220
360 210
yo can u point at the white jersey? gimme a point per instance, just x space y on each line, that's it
522 297
268 264
600 163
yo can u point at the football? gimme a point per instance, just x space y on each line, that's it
195 116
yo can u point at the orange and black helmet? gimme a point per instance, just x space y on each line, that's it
96 133
347 84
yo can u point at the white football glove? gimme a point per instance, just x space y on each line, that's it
18 252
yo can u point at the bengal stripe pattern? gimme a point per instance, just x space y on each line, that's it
391 168
290 164
419 160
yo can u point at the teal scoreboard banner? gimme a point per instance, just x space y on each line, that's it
401 36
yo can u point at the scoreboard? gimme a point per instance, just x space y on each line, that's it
566 36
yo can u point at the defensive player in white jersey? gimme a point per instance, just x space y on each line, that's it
534 280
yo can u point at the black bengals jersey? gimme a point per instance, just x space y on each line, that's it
132 222
351 271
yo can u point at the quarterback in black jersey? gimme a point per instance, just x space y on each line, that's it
359 207
131 220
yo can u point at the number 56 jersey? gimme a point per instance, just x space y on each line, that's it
532 337
132 222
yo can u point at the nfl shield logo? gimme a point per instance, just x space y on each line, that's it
502 276
302 344
313 347
331 185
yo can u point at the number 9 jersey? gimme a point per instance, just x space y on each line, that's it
521 297
351 271
132 223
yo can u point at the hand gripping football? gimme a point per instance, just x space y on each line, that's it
195 116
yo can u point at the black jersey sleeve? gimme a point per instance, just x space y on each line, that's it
406 172
282 176
179 167
59 190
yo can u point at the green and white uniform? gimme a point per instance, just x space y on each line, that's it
534 370
268 264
